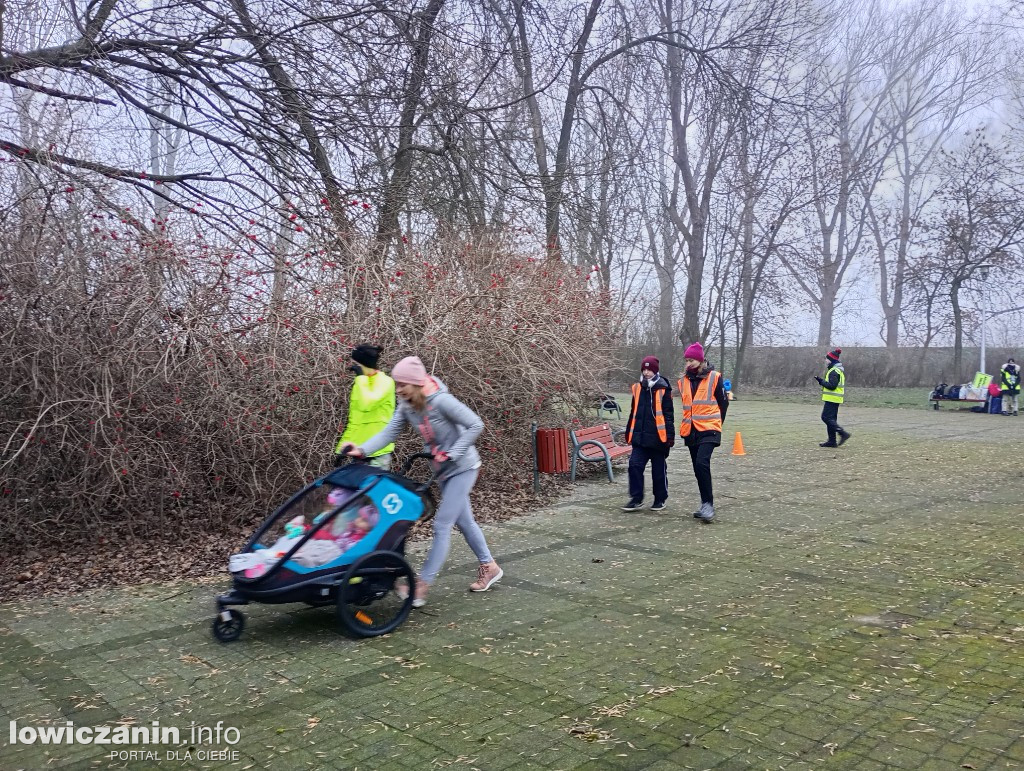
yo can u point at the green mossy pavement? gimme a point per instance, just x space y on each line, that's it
853 608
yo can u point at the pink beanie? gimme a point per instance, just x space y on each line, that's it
695 351
410 370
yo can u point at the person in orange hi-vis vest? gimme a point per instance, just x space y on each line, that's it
704 408
651 432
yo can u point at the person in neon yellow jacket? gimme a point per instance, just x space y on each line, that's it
833 389
370 407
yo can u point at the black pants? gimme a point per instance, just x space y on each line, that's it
830 417
659 477
700 457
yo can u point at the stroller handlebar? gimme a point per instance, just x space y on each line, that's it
435 470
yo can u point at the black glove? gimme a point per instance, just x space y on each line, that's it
671 441
356 369
339 460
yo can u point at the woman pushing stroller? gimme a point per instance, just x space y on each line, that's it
449 429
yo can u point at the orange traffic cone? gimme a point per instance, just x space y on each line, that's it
737 445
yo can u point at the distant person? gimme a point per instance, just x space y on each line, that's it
651 431
833 386
370 406
995 399
1009 383
700 426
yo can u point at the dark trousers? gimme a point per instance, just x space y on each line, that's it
659 478
830 417
700 457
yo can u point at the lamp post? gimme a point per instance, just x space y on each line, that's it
983 269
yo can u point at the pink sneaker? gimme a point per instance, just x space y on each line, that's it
486 577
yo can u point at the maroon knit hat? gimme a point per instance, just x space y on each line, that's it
651 363
694 351
834 355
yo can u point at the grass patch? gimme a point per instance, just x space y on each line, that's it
899 398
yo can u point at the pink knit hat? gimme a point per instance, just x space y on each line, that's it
410 370
695 351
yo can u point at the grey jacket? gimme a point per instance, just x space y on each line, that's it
446 423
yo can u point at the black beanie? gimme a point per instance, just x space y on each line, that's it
367 355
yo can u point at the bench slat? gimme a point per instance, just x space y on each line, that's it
593 453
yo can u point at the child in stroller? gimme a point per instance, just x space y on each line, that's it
326 545
348 530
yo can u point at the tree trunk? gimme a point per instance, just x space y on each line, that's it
689 331
893 309
693 231
958 327
747 295
396 190
827 308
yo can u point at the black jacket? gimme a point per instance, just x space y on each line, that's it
641 414
707 437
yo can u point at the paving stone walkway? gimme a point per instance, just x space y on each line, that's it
858 608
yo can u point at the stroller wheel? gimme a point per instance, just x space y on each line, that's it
228 625
368 604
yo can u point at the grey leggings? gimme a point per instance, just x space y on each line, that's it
454 509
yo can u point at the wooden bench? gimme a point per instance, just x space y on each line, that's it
596 444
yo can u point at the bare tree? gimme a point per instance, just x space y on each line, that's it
708 97
420 31
981 220
846 146
945 69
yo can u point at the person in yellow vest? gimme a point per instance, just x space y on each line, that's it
833 386
704 408
1009 384
370 406
651 432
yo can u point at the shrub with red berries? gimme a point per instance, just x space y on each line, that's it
152 379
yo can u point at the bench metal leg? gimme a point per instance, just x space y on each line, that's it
611 476
572 469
